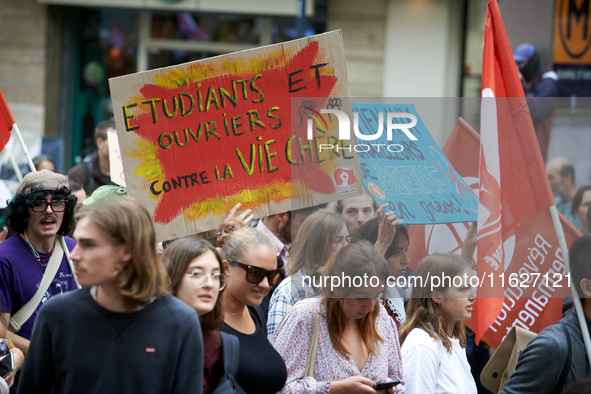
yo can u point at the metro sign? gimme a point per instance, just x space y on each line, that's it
572 32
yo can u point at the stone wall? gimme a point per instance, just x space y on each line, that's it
23 39
363 25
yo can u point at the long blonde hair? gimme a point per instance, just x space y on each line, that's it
422 311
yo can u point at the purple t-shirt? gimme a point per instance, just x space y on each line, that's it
20 276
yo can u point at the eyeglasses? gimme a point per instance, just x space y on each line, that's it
342 240
199 279
56 205
256 275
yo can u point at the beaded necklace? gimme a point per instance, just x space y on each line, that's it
42 258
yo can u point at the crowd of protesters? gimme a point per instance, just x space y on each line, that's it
91 303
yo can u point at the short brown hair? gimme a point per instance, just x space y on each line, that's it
100 131
374 204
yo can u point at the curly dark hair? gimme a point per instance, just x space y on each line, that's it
17 214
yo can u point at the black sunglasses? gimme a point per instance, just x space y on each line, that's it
256 275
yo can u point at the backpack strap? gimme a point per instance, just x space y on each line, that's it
311 359
23 314
566 368
231 353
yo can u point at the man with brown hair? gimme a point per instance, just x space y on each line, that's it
96 172
356 211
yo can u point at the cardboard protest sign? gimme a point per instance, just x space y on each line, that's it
404 167
534 280
115 163
199 137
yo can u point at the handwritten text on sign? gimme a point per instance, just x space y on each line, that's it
418 182
202 136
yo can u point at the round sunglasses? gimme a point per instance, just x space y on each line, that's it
256 275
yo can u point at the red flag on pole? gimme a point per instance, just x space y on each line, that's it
6 122
513 185
535 249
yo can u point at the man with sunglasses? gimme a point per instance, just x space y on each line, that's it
42 209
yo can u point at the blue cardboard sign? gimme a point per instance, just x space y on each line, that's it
412 175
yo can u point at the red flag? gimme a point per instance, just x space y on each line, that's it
513 185
534 247
6 122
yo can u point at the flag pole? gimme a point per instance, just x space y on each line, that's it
23 146
12 159
577 301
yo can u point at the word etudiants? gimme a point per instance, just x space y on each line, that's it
183 103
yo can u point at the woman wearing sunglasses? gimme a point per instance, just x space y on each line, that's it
357 342
196 277
251 271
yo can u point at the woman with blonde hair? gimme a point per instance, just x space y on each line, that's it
321 235
122 332
433 336
356 343
249 256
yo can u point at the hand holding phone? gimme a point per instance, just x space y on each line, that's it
386 385
6 365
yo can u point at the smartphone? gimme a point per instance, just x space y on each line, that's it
6 365
386 385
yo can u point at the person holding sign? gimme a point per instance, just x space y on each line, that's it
121 333
251 270
356 211
356 342
397 293
434 334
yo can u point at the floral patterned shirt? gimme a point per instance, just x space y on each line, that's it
292 341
